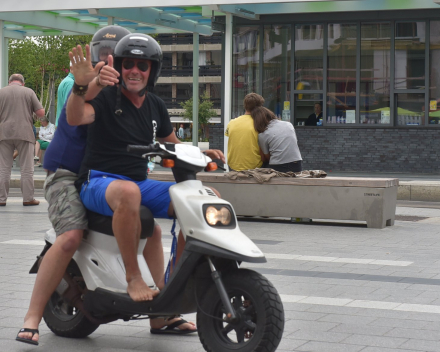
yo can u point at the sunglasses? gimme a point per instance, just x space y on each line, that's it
141 65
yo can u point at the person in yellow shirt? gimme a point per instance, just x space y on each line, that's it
243 148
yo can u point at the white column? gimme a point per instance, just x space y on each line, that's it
195 131
3 57
110 21
228 80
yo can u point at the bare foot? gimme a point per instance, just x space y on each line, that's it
139 290
30 324
160 323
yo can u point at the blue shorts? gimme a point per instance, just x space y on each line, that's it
155 194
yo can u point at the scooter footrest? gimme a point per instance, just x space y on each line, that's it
106 302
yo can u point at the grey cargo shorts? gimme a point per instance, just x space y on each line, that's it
66 211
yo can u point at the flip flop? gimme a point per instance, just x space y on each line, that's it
172 329
30 341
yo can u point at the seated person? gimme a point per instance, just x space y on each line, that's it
313 119
47 130
277 140
243 149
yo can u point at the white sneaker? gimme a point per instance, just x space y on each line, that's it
36 158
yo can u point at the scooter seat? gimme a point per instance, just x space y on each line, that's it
103 223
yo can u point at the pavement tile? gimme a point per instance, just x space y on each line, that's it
347 319
421 345
171 343
329 347
402 323
294 325
361 329
289 344
14 312
323 336
303 315
378 341
382 349
122 330
415 333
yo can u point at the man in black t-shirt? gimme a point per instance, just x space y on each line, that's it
112 181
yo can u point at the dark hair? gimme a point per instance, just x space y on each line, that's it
262 117
252 100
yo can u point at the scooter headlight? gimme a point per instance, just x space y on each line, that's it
214 216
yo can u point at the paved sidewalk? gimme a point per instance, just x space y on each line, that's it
345 288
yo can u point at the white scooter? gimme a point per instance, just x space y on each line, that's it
237 309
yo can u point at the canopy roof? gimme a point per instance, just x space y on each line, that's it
53 17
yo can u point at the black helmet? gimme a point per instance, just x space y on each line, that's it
139 46
104 41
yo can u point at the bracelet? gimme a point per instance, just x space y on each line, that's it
98 82
79 90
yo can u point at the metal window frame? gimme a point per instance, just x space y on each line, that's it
425 91
294 20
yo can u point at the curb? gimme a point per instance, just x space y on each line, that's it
15 183
421 191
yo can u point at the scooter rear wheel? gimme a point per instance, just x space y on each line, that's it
260 322
63 319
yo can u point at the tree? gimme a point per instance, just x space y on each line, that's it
44 62
205 111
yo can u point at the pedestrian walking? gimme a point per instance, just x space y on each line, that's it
17 105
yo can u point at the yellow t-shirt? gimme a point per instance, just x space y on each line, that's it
243 148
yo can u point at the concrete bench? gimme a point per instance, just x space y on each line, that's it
339 198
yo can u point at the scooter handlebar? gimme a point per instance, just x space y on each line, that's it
143 149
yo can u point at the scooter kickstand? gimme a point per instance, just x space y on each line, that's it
231 315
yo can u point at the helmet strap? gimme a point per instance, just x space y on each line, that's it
118 110
142 91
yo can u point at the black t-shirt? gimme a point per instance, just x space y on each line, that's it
312 120
109 135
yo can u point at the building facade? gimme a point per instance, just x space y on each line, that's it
375 74
174 85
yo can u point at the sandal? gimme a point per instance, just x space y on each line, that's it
173 329
30 341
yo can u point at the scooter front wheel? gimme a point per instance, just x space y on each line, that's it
260 315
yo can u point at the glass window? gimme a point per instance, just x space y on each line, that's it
185 60
375 73
245 58
185 92
410 109
309 49
434 69
410 55
216 96
308 110
341 86
276 69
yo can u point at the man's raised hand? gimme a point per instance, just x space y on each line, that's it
82 67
